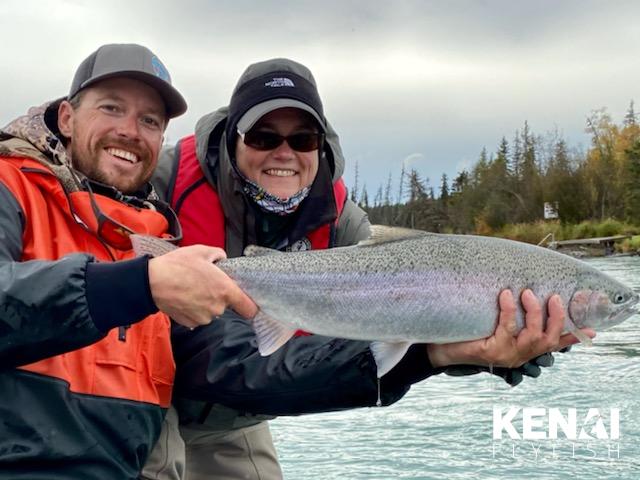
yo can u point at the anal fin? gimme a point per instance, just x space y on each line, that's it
387 355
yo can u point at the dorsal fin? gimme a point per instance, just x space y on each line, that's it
383 234
256 251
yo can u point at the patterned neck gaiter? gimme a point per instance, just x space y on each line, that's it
271 203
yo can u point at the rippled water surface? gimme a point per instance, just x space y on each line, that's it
443 428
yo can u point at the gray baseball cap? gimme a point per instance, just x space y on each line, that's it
133 61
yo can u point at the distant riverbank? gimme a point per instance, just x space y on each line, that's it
535 232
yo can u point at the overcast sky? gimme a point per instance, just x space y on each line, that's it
428 83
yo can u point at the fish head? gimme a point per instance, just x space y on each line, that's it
603 307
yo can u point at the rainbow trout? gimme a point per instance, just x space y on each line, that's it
405 286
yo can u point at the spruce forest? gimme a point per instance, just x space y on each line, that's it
511 184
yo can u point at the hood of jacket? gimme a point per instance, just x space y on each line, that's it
206 126
30 136
215 160
210 129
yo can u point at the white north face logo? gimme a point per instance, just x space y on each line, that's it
280 82
301 245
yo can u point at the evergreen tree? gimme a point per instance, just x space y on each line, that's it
630 117
400 193
516 157
460 183
364 198
417 187
530 184
495 210
632 191
460 212
564 185
444 189
354 190
377 201
480 169
502 154
387 191
500 166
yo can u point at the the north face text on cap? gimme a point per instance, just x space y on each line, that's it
280 82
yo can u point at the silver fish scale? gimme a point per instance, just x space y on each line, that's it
431 288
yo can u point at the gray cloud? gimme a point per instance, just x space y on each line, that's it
433 78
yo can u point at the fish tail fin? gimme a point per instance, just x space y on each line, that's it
387 355
270 333
149 245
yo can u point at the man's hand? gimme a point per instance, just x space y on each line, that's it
187 286
504 348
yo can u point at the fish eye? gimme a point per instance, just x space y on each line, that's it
618 298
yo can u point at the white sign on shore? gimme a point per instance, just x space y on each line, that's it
550 210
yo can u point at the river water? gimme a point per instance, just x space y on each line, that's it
443 428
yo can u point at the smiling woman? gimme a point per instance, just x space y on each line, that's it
275 135
287 164
264 171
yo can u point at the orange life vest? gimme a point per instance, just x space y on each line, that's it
141 368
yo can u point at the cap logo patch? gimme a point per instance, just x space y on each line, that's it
280 82
159 69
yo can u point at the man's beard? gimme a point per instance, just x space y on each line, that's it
89 164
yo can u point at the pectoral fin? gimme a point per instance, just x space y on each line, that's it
270 333
584 340
387 355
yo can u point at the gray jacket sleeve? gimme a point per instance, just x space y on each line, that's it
353 225
165 173
43 307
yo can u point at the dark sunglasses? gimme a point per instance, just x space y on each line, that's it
300 142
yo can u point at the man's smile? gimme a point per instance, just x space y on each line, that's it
122 154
